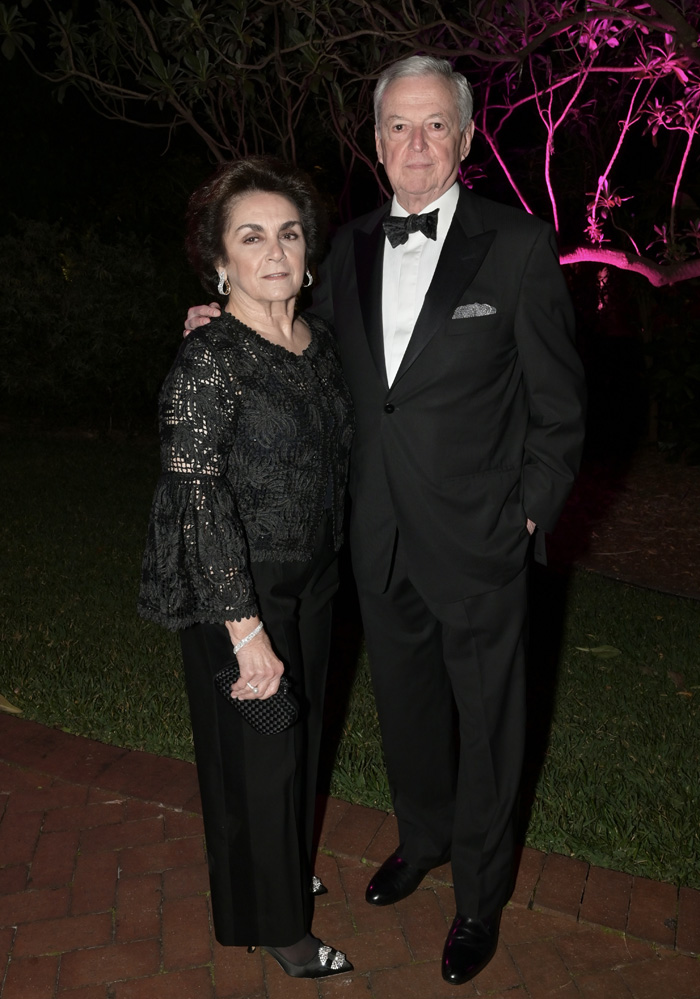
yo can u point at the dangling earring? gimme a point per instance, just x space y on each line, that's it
309 279
224 284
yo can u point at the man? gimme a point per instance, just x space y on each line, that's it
456 336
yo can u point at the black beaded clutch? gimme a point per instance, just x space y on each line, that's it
268 717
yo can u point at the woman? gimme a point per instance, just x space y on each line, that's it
241 556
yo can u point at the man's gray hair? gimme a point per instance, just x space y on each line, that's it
427 66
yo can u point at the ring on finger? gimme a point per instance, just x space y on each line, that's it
254 689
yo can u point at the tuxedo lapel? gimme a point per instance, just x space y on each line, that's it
369 261
463 253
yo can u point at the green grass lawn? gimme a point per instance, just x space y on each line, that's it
618 785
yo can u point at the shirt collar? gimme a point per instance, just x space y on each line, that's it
447 203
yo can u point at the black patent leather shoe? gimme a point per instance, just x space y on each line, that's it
470 945
395 879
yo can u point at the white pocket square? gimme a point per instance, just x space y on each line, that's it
472 310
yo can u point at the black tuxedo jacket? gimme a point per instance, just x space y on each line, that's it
482 427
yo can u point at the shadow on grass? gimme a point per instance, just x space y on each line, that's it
549 590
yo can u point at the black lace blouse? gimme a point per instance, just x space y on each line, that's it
254 444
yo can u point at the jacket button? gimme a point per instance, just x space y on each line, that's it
389 408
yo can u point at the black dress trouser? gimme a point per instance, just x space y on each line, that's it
258 791
454 785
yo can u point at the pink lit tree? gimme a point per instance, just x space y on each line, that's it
590 111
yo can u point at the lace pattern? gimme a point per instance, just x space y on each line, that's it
251 436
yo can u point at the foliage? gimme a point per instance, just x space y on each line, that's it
572 95
619 783
673 357
89 331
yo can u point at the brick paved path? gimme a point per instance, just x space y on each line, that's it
103 896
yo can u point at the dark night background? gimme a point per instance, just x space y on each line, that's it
67 166
65 161
113 197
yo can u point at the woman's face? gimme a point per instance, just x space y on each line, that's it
265 248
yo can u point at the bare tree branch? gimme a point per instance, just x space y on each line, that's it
271 75
656 274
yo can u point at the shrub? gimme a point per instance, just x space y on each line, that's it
673 356
89 327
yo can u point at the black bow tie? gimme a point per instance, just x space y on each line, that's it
397 228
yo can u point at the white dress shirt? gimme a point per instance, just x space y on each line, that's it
408 271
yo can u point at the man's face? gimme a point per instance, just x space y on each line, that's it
419 140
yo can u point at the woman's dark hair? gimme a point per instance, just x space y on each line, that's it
210 206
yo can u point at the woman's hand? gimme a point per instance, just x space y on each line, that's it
257 662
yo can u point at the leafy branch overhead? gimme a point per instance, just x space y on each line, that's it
571 95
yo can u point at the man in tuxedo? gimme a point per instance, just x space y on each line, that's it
456 337
455 330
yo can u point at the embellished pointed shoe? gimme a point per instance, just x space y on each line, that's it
326 962
470 945
317 886
395 879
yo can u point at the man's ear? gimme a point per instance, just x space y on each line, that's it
378 145
467 137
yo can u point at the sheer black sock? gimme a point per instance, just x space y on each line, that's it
302 951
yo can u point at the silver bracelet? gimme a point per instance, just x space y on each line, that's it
248 638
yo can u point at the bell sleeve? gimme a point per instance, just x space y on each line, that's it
196 565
